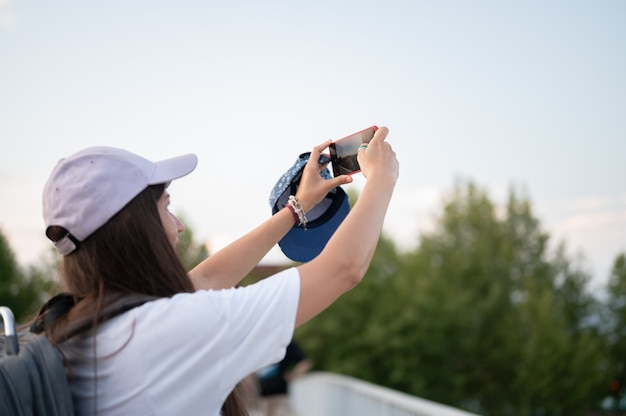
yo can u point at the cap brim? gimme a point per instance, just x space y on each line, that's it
302 246
169 169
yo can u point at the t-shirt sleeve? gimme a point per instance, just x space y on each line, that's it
225 334
263 321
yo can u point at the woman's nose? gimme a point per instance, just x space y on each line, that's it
180 226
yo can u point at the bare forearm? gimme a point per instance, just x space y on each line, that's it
360 232
347 255
230 265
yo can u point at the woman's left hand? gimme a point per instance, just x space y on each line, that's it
313 188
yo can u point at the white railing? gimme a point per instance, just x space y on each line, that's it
327 394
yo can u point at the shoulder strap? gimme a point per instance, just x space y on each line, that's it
60 305
117 307
56 307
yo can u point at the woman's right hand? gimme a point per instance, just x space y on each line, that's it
378 158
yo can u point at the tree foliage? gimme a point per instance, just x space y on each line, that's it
616 328
481 315
23 291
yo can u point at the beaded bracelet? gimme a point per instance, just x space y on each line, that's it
296 208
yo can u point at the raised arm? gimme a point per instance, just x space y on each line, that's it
346 257
230 265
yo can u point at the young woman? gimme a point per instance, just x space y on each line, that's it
107 212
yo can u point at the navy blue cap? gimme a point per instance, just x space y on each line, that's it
322 220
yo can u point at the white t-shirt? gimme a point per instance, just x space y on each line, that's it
185 354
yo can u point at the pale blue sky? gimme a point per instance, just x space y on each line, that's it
531 94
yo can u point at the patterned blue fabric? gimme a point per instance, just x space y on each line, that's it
323 219
295 172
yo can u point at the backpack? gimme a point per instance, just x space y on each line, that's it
33 376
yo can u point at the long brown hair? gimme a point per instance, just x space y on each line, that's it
129 254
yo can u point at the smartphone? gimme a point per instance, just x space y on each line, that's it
343 151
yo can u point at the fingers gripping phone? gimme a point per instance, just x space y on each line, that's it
343 151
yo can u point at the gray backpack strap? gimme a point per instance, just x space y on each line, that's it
113 309
60 305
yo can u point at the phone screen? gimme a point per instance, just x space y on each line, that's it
343 151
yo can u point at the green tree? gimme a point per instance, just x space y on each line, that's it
23 291
480 316
512 335
616 328
467 271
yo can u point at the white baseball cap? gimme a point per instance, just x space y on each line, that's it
88 188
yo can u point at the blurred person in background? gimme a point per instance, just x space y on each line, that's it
274 381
